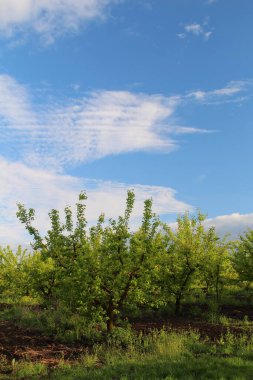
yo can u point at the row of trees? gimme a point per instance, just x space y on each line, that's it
98 271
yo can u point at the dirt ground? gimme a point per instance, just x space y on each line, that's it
210 330
24 344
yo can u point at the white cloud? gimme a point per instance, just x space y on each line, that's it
49 18
233 224
227 93
15 108
97 125
44 190
196 29
109 122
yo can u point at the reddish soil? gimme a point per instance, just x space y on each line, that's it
23 344
212 331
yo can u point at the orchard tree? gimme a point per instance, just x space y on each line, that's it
242 258
41 277
14 283
216 268
183 255
95 271
120 261
56 253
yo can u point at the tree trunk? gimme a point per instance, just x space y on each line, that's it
206 290
181 293
109 325
248 295
110 317
178 305
217 293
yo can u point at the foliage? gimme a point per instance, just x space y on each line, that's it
14 282
86 279
243 258
192 255
96 271
216 268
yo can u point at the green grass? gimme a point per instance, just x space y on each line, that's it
167 355
159 355
21 370
203 367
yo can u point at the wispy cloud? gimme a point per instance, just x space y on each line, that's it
44 190
49 18
181 130
196 29
233 91
15 105
99 124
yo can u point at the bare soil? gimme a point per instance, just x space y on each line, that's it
23 344
210 330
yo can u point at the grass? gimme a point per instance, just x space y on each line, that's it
166 355
156 368
162 354
21 370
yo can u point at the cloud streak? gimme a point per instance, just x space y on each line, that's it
97 125
234 91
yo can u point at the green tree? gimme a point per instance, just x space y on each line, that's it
56 254
242 258
14 282
125 260
184 251
216 268
95 271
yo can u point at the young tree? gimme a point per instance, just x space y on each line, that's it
13 276
216 268
57 252
242 258
97 271
184 249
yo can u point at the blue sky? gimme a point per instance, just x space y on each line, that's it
106 95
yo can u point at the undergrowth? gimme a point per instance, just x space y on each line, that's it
170 355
